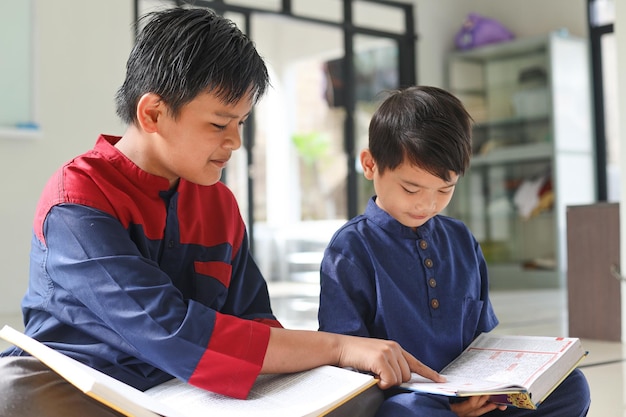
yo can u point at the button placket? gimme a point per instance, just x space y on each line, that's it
432 282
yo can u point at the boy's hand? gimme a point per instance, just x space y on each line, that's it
475 406
386 359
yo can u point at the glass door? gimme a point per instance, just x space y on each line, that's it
299 161
376 65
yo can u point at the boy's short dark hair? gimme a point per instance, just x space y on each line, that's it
182 52
426 126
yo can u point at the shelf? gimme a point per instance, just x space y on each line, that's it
515 153
480 92
521 137
519 47
512 121
508 276
15 133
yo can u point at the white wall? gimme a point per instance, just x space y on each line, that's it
82 49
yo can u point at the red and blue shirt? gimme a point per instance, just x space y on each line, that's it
144 282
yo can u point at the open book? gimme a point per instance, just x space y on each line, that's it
519 371
309 393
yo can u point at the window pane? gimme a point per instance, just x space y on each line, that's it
15 64
330 10
376 70
299 165
270 5
602 12
609 78
379 16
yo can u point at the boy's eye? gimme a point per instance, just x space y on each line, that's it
409 191
220 127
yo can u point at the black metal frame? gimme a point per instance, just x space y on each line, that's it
595 46
406 43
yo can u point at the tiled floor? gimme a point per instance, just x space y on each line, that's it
540 312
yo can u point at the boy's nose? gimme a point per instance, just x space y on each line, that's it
427 202
233 137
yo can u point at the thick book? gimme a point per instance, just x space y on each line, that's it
519 371
310 393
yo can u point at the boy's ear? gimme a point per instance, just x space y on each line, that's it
149 109
368 163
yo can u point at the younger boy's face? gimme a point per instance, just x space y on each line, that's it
408 193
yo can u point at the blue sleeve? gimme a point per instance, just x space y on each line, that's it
348 291
92 277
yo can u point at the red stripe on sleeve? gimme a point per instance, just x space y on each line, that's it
270 322
234 357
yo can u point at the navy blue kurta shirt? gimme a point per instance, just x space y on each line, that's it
426 289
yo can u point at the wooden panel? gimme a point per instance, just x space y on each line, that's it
594 294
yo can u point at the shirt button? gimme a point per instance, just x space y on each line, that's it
432 282
170 244
434 303
423 244
428 262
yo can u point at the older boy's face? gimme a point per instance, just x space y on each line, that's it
410 194
198 143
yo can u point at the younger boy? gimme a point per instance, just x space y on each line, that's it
403 272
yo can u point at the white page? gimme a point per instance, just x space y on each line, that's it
299 394
494 363
455 384
292 395
517 360
89 380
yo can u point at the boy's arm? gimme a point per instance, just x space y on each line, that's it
102 286
296 350
347 295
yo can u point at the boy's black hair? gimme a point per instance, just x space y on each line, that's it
426 126
181 53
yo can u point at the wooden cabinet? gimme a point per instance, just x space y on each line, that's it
593 274
532 153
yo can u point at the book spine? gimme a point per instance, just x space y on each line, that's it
519 400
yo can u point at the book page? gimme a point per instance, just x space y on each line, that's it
115 394
308 393
458 386
517 360
513 367
298 394
499 364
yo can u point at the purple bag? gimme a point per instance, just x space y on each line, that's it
478 30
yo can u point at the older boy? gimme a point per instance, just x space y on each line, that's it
403 272
139 261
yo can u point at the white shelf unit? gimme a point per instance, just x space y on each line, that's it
531 103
